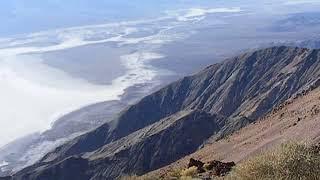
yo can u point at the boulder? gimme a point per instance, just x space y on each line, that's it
195 163
214 168
220 168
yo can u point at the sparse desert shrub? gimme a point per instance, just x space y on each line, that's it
289 161
185 178
184 174
134 177
190 172
174 174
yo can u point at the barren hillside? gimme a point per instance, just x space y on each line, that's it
298 119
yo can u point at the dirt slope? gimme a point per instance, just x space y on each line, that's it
298 119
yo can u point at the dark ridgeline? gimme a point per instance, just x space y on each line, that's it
179 118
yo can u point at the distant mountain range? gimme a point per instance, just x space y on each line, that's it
181 117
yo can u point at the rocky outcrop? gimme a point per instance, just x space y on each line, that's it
239 90
211 169
195 163
219 168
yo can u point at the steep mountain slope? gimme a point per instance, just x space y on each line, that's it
153 148
240 90
142 151
298 119
28 150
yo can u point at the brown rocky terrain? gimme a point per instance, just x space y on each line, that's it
298 120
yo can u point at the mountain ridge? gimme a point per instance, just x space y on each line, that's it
240 89
295 120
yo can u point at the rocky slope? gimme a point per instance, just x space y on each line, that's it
28 150
144 150
216 101
298 120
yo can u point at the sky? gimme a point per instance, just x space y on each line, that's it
21 16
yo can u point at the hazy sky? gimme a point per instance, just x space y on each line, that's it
21 16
